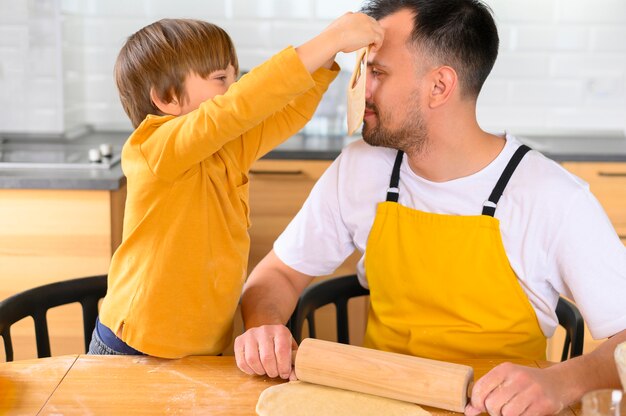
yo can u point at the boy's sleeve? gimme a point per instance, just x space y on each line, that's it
185 141
285 123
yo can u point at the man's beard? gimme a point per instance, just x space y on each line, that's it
410 137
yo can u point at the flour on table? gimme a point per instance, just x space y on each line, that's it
298 398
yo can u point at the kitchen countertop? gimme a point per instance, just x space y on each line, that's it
118 384
561 148
579 148
57 178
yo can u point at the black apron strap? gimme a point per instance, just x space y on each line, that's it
489 208
394 192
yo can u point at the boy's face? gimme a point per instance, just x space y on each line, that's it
198 89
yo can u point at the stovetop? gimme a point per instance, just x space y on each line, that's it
58 156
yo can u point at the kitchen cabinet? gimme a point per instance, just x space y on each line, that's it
278 188
56 234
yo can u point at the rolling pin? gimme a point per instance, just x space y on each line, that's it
396 376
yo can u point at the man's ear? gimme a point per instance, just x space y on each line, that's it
444 81
172 108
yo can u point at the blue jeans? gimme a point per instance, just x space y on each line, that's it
104 342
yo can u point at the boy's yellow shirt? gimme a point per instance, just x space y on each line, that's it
176 279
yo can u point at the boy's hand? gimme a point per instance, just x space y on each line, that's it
353 31
350 32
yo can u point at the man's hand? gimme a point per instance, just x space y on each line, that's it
267 350
268 300
511 390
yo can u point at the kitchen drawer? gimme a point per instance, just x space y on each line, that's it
608 183
278 188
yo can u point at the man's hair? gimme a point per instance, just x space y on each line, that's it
458 33
162 55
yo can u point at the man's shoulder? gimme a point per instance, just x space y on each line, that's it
546 179
546 169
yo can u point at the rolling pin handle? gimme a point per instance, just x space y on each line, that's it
470 386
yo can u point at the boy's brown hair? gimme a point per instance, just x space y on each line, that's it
161 55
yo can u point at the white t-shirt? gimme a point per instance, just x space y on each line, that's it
556 235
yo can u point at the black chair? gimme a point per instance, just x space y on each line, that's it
37 301
339 290
571 319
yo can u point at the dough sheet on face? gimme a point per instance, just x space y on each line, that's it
356 91
298 398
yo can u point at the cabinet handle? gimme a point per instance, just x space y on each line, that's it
276 172
613 174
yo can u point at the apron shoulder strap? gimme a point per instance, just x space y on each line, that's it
394 192
489 208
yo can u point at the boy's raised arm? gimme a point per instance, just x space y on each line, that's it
345 34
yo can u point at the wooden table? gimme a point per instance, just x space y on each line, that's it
136 385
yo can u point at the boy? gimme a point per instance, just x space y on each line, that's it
175 281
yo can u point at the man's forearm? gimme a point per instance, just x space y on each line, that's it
595 370
266 306
271 292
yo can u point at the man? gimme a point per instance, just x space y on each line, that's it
468 237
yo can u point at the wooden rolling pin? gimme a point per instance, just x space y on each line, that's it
397 376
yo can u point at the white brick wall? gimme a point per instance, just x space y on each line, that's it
562 63
562 67
31 86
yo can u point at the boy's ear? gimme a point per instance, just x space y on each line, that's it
173 108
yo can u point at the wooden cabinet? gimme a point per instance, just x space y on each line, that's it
278 188
49 235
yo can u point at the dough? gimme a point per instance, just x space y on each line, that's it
356 91
298 398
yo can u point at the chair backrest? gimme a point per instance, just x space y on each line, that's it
37 301
339 290
571 319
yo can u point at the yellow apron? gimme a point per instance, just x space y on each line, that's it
441 285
